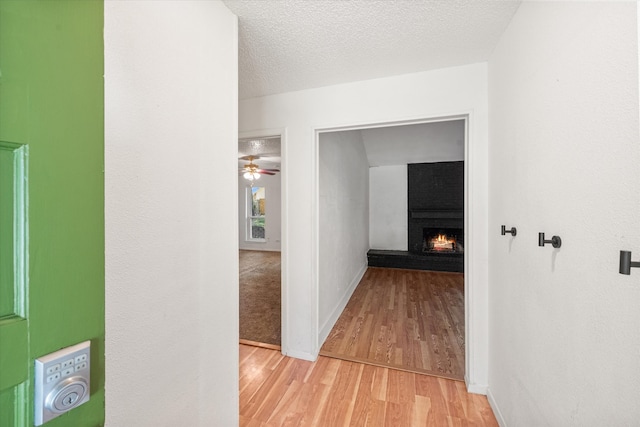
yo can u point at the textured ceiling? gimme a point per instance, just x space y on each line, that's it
288 45
265 151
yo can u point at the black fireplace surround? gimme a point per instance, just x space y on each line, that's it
435 220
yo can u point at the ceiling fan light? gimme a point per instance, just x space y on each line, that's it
251 175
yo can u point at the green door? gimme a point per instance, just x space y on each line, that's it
51 197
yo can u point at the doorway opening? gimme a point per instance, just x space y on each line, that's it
407 316
259 236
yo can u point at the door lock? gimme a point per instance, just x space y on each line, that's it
62 381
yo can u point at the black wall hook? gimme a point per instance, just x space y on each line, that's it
555 241
626 263
504 230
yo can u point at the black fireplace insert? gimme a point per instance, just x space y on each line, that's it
442 240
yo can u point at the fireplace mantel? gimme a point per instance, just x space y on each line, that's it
436 214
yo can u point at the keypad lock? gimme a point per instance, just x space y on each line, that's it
62 381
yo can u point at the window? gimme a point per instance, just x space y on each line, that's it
256 214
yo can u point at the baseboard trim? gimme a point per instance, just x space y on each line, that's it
337 311
300 355
475 388
496 409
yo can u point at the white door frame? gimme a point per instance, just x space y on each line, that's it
284 300
475 305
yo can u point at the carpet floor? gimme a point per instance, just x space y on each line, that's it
260 297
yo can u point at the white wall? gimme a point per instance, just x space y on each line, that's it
171 250
271 183
416 143
452 91
564 160
343 222
388 198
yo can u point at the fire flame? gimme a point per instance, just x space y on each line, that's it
442 242
443 238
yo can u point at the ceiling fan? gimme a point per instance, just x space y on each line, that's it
252 171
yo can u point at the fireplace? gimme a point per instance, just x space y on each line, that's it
442 240
436 215
436 239
435 232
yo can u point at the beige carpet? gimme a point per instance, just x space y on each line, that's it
260 296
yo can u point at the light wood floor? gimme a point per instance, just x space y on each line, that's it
280 391
404 319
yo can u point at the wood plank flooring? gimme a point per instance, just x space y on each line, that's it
405 319
280 391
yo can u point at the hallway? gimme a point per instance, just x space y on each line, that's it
276 390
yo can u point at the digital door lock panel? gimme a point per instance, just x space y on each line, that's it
62 381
